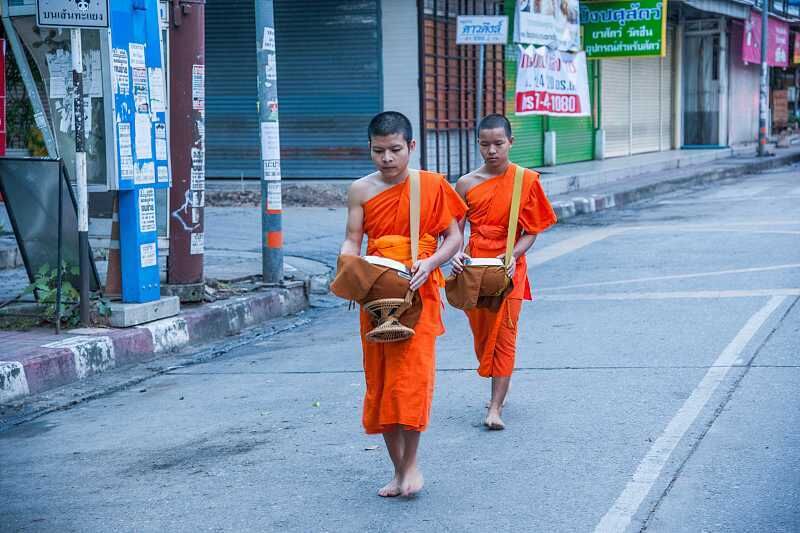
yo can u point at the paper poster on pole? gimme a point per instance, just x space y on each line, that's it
197 243
125 150
119 65
147 210
142 131
552 82
161 141
272 170
157 90
147 255
270 141
554 23
199 87
144 174
274 201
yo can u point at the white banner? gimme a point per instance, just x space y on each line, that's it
551 82
548 22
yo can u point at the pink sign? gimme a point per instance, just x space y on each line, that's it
777 41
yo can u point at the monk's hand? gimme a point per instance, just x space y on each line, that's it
458 262
510 269
420 271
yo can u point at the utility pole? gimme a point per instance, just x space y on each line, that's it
80 172
763 101
187 147
271 202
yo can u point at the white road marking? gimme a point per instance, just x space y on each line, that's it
627 504
718 200
672 225
548 253
741 192
674 276
669 295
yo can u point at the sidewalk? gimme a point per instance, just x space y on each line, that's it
36 360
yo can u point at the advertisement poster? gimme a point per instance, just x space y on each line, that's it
548 22
624 29
552 82
777 41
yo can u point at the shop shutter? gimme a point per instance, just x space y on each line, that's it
615 101
645 104
575 135
528 147
232 135
666 95
329 86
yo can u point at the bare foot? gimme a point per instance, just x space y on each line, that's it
493 421
391 489
412 483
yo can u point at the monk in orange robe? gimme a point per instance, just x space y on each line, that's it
400 375
488 193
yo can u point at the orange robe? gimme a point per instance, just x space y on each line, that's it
400 375
495 332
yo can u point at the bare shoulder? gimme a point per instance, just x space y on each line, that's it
470 180
362 189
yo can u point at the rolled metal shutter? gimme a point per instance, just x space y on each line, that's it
232 136
645 104
615 101
329 85
575 135
666 95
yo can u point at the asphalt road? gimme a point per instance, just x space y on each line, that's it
656 389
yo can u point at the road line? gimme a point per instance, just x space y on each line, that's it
674 276
627 504
672 226
548 253
668 295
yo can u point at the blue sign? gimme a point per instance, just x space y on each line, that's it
140 137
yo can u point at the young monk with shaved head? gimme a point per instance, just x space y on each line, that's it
488 192
400 375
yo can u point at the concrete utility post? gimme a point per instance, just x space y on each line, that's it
80 172
187 147
271 202
763 101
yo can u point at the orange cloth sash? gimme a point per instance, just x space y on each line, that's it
398 247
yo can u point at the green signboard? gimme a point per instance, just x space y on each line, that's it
624 29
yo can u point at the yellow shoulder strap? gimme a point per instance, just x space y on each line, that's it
414 201
513 216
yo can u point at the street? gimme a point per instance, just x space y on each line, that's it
656 389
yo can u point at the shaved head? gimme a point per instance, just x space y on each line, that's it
493 121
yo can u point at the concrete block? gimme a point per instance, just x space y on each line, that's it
126 315
13 384
584 205
564 209
191 292
600 144
549 148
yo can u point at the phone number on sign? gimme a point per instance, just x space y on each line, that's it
545 102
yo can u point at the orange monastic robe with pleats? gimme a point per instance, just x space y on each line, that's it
400 375
495 332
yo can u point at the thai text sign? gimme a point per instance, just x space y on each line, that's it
624 29
552 82
548 22
482 30
777 41
72 13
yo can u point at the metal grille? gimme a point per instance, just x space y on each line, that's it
449 74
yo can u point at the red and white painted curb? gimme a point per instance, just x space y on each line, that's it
79 356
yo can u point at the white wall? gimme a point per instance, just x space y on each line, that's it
401 62
743 93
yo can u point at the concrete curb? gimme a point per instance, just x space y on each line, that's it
631 193
79 356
